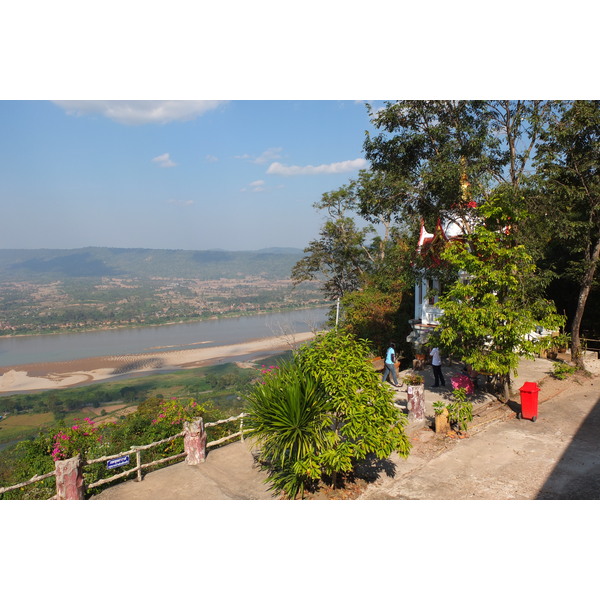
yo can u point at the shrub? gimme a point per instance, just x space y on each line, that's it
562 370
77 439
290 417
346 413
460 412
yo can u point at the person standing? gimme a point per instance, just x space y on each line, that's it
436 364
390 367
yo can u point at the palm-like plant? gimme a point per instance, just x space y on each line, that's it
289 415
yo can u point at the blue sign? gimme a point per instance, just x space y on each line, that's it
117 462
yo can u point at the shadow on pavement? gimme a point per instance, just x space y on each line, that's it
370 469
577 474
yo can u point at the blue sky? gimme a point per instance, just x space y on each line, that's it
238 175
242 174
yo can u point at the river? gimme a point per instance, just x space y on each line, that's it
181 336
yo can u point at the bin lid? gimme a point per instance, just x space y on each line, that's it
529 386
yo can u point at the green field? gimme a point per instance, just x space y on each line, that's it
223 385
16 427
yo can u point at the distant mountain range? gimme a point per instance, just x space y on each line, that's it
48 265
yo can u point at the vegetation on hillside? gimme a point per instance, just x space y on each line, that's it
156 405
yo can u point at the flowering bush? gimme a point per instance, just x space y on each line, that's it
176 411
267 371
77 439
463 382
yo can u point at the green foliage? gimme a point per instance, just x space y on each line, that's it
362 410
460 411
429 146
289 414
568 179
379 317
323 412
562 370
413 379
490 310
337 258
439 407
74 440
177 411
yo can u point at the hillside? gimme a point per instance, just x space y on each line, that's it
44 265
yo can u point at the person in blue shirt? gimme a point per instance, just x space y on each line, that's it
390 367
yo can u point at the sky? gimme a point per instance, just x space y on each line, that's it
192 175
265 110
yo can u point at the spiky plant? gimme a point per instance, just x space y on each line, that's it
289 415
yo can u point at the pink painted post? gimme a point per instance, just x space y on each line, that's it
69 479
416 402
194 442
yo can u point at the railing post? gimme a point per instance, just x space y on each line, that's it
138 462
194 442
69 479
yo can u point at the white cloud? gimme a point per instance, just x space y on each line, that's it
211 158
164 160
255 186
346 166
140 112
268 155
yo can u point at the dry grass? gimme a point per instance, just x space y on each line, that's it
27 420
16 427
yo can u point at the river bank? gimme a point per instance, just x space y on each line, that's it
59 375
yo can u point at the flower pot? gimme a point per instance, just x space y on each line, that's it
442 425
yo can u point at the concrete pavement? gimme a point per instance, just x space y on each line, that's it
555 457
229 473
503 457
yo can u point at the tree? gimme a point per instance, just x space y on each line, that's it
361 266
381 309
490 309
569 177
339 257
442 151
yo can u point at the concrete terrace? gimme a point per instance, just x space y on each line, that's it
230 472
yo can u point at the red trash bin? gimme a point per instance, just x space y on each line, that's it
529 400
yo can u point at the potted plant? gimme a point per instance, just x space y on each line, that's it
413 379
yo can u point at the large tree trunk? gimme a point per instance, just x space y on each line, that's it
584 291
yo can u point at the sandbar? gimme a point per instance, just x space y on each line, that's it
58 375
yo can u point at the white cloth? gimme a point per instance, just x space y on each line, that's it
436 359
